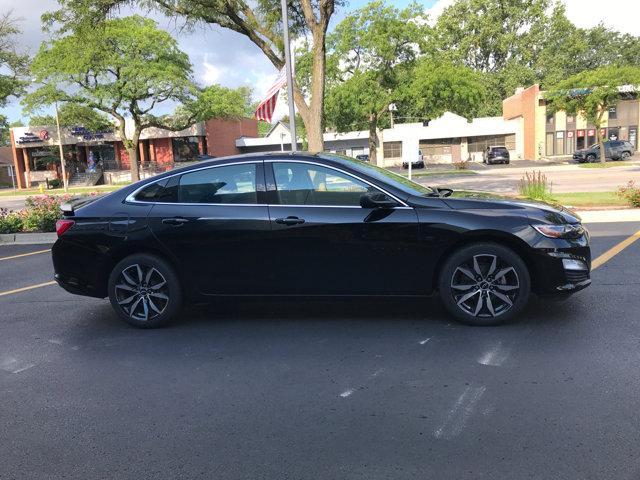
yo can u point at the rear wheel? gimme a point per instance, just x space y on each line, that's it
591 158
144 290
625 155
484 284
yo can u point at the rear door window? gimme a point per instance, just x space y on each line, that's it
229 184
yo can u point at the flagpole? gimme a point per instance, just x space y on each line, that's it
287 57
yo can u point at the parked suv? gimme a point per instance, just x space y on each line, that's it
613 149
495 154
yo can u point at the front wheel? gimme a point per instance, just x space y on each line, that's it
591 158
625 155
484 284
144 290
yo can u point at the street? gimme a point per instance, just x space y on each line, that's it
564 178
328 389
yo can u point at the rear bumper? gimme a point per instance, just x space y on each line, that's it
76 286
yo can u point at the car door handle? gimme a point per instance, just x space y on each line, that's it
175 221
290 221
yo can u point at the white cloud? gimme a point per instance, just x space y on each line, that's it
210 73
620 15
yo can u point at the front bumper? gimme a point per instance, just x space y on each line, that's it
551 275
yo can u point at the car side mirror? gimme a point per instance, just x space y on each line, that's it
376 200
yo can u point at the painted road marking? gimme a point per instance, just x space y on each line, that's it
459 415
24 289
24 255
495 356
612 252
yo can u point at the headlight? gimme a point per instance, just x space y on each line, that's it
561 231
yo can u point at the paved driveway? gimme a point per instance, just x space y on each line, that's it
351 389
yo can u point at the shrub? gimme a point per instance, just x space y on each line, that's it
535 186
631 193
10 222
42 212
55 183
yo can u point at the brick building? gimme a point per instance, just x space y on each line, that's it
101 157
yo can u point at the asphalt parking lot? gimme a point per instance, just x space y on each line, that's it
321 389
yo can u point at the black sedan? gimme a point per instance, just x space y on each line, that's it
307 225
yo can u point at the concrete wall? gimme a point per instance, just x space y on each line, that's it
524 104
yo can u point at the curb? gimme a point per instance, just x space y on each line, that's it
27 238
610 216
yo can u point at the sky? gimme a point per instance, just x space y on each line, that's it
225 57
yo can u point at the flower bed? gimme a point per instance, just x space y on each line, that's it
39 215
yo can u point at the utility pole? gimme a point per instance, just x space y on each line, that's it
62 163
287 57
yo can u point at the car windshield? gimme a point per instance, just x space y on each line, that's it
384 175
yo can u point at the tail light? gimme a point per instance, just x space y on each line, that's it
63 225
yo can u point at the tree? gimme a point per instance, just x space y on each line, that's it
124 67
436 87
75 115
13 65
376 45
591 93
259 21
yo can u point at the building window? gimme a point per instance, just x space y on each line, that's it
613 113
569 146
442 146
480 144
549 144
550 118
392 150
559 150
571 119
185 149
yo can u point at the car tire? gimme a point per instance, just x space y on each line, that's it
479 292
145 291
625 155
591 158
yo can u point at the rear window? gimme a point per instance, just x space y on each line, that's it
230 184
163 191
499 149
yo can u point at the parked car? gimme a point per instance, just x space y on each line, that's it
496 154
307 225
364 157
613 149
417 163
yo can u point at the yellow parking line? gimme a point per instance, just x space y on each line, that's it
24 289
612 252
24 254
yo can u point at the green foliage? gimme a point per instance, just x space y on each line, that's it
631 193
521 42
217 101
374 47
13 65
535 186
10 222
73 115
42 212
435 87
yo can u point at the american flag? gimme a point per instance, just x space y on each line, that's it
268 105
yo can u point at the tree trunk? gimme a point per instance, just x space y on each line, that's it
374 141
603 156
313 113
134 163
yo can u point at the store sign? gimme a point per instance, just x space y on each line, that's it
580 133
44 135
603 132
560 135
86 134
591 133
29 137
570 134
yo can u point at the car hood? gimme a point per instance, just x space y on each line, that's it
536 211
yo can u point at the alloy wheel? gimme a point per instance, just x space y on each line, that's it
142 292
485 286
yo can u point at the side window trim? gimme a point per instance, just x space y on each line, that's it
175 178
272 189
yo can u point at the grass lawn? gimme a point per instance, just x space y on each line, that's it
608 164
573 199
59 191
589 199
415 173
